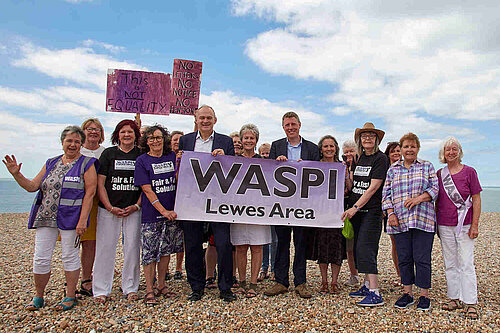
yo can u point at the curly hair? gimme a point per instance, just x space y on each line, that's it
143 143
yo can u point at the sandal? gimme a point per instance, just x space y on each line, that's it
101 299
132 297
471 312
63 307
452 305
335 288
251 291
150 299
262 276
84 291
272 277
164 292
324 288
36 304
241 288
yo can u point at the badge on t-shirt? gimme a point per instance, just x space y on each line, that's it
124 165
163 167
362 171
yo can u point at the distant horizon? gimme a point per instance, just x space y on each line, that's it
483 186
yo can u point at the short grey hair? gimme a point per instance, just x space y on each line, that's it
249 128
446 143
359 147
71 130
205 106
349 144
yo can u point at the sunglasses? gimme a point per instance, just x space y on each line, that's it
77 241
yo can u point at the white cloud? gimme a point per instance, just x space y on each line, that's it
109 47
79 65
55 100
387 57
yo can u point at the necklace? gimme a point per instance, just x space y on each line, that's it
68 161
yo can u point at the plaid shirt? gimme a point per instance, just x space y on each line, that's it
402 184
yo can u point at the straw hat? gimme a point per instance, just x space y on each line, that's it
369 127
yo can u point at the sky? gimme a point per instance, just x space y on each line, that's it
429 67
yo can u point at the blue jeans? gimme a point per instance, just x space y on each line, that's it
270 247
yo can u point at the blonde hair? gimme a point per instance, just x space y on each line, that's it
410 137
359 147
448 142
96 121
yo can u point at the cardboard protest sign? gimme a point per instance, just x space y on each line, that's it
186 82
260 191
138 92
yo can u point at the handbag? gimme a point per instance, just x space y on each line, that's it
348 230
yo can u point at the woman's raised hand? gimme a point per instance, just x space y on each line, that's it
11 164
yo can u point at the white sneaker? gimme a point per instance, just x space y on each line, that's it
353 281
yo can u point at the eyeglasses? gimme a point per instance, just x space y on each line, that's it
93 129
368 135
77 241
155 138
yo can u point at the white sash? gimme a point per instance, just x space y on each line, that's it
455 197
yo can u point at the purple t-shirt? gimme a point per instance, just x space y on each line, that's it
159 172
467 184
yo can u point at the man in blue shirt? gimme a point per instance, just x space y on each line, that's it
294 148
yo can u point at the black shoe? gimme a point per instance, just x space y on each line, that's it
195 295
227 295
168 276
424 303
178 275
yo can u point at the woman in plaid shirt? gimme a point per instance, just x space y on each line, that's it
410 189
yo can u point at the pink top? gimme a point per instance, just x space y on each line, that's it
467 184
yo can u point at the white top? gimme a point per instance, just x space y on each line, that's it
204 146
92 153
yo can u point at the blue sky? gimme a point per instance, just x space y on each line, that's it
430 67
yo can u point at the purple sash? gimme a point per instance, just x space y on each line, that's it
455 197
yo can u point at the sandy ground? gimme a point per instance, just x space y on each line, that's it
283 313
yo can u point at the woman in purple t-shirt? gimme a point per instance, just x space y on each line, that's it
458 208
161 235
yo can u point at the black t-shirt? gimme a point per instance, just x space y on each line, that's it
119 167
370 167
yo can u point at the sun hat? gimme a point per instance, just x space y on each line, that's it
369 127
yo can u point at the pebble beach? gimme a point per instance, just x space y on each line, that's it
283 313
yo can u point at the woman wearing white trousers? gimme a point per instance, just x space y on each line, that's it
118 214
458 209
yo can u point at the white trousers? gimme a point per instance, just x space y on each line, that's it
109 228
458 255
45 242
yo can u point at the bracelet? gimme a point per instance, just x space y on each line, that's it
391 213
111 210
356 206
137 206
154 202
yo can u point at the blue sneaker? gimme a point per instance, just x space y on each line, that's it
424 303
404 301
362 292
371 300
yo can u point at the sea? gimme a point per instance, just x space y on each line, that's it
14 199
